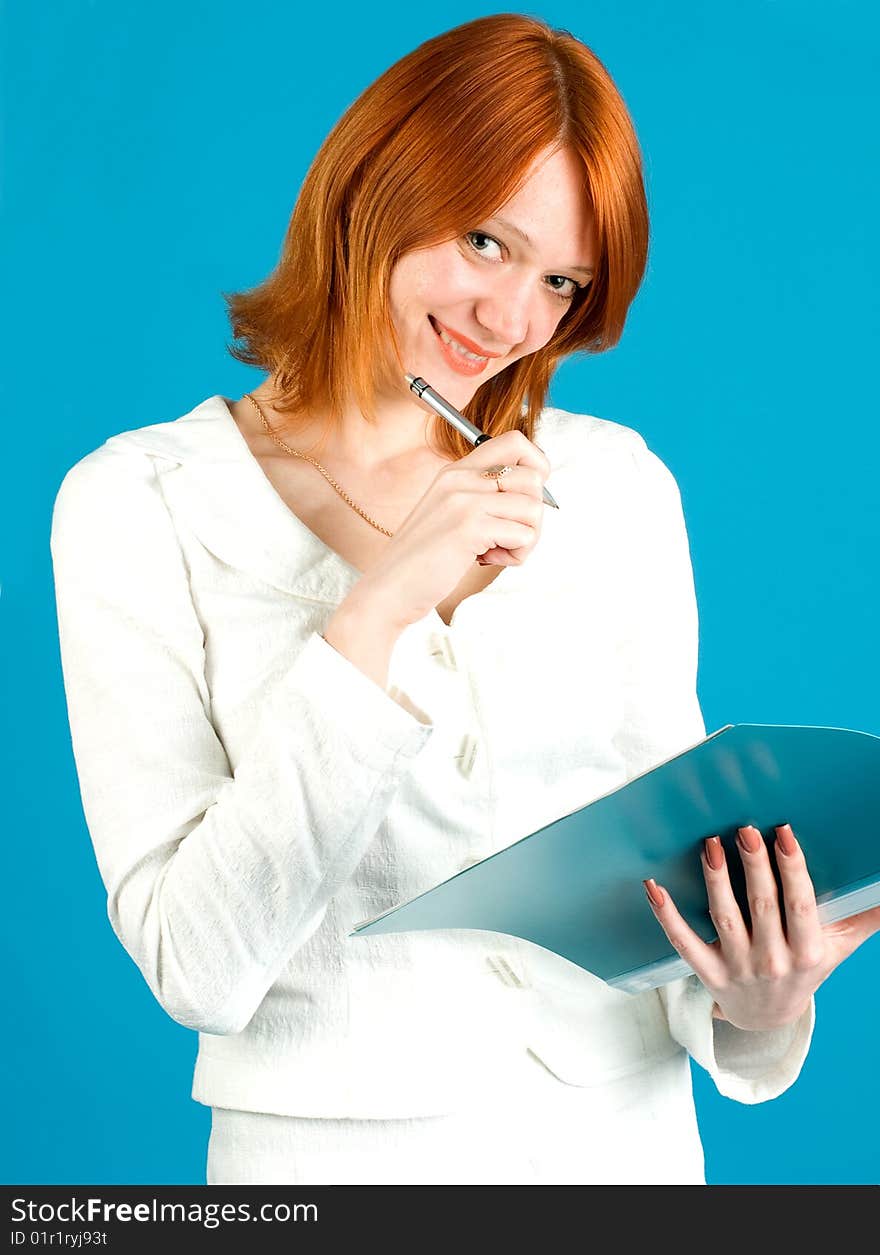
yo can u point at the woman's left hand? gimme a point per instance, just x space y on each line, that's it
764 976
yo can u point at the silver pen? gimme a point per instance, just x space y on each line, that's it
441 406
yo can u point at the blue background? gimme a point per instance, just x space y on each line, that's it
152 158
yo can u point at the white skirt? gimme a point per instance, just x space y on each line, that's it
640 1130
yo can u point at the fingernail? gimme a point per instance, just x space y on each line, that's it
749 839
714 853
785 839
655 895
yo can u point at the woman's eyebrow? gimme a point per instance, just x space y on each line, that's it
518 231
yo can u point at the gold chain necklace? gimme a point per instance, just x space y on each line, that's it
329 478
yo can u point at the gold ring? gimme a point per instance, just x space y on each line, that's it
495 472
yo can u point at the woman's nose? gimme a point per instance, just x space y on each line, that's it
505 314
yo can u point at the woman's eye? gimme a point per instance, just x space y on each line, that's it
564 294
479 235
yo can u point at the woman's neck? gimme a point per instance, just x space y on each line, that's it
400 437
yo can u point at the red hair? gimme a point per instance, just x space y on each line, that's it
405 167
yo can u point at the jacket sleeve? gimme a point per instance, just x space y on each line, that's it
213 878
659 642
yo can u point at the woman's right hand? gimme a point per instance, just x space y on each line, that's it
462 518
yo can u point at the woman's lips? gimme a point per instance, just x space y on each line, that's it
459 363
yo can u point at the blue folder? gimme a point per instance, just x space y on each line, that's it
575 886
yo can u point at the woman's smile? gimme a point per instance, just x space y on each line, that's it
459 356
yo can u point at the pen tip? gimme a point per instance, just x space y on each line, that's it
409 379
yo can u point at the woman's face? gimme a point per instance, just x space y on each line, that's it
491 291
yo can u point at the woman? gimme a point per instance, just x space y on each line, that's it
319 654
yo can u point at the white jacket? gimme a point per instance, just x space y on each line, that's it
251 795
